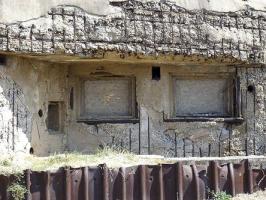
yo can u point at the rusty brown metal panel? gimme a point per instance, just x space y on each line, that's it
37 189
133 183
231 178
27 175
145 182
106 182
76 182
169 173
95 182
239 177
161 183
57 185
196 181
115 184
248 178
4 180
203 181
150 183
180 180
47 178
85 181
213 174
224 184
189 187
67 184
123 178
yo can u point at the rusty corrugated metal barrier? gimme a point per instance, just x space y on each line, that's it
144 182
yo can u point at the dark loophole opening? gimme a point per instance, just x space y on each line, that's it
156 73
40 113
31 150
53 118
71 98
251 88
2 60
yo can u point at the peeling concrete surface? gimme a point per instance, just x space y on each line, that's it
156 29
148 28
13 10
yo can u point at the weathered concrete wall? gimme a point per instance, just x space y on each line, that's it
32 79
44 82
135 28
15 118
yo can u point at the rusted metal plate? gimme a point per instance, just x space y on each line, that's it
203 181
150 186
4 180
190 190
37 189
133 186
95 183
213 176
224 183
116 184
239 176
57 185
144 182
76 183
169 173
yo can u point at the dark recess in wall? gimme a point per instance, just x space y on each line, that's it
250 88
156 73
2 60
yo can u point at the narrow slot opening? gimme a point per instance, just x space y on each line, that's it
156 73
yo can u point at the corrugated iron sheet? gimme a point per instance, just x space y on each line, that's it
144 182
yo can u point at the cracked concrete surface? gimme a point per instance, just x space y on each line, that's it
163 30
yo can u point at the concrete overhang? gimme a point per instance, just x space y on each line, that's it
114 58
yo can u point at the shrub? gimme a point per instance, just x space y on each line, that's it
221 196
17 189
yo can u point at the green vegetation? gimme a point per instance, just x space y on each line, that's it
113 158
221 196
17 189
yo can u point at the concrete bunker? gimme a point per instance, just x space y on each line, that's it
152 78
81 106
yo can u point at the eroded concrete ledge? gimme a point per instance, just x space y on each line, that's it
144 28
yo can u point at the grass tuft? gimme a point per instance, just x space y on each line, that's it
112 157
